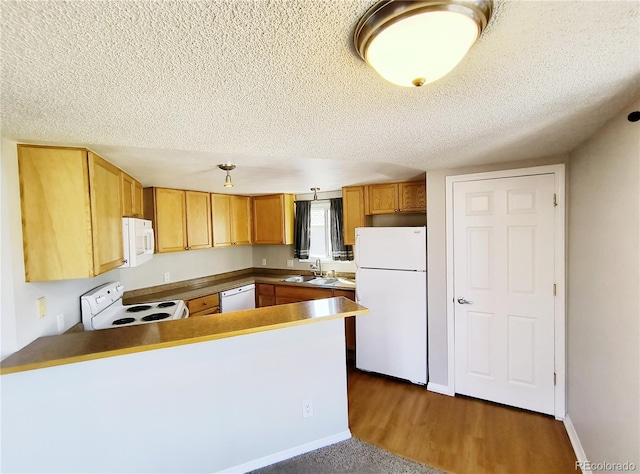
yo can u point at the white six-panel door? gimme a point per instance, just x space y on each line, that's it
503 289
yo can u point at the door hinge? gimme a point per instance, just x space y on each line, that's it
555 200
554 289
554 378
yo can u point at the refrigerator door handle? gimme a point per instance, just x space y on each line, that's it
356 253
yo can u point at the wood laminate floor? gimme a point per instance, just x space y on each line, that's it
456 434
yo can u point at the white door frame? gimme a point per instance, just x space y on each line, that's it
560 312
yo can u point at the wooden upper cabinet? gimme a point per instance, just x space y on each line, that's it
71 206
273 219
383 198
106 218
131 196
181 219
231 220
128 194
412 196
167 209
221 210
198 211
389 198
138 200
352 212
241 220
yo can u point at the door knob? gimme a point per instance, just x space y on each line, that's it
461 300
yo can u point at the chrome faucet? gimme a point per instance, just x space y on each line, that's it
317 268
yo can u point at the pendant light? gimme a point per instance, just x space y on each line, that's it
413 43
227 180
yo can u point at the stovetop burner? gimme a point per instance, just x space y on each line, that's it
156 317
137 309
167 304
102 308
121 321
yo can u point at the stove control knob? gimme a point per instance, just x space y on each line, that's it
119 287
100 299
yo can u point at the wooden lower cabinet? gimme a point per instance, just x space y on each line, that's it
349 324
265 295
268 295
204 305
295 294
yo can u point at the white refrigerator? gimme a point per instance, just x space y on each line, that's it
391 280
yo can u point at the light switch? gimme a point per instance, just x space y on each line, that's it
42 307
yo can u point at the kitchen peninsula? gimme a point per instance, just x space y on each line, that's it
209 394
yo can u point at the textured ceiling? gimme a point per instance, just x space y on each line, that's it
166 90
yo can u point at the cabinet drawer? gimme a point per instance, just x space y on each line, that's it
214 310
266 289
299 293
203 303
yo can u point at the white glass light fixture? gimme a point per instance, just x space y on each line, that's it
413 43
227 180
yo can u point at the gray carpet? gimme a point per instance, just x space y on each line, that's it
352 456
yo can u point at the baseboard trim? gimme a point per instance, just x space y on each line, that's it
288 453
443 389
577 445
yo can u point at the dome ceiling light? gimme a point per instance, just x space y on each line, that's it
413 43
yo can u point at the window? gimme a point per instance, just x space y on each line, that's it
320 231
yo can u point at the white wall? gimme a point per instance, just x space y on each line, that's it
437 258
195 408
187 265
19 321
603 292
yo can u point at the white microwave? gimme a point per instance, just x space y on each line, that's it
137 241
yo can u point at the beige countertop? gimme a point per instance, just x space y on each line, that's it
74 347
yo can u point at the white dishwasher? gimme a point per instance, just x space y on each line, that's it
243 297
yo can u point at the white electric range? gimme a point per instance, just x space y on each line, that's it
102 308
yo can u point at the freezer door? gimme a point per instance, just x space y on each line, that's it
399 248
392 338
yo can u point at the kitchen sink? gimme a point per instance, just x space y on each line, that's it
323 281
320 280
346 281
299 279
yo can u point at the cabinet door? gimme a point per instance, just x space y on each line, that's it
221 211
105 184
170 220
128 195
349 323
138 200
352 212
198 207
56 213
241 220
413 196
265 295
273 219
383 198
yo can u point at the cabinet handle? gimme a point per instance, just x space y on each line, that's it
187 248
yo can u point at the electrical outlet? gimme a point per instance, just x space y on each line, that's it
307 408
264 262
42 307
167 277
60 320
290 263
